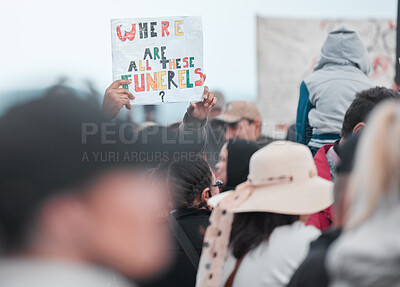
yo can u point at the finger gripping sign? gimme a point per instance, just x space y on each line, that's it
163 57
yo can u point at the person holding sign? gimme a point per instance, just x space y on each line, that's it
194 121
160 60
162 57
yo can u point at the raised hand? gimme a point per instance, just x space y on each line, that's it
115 98
201 110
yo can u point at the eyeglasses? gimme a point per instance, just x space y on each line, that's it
218 183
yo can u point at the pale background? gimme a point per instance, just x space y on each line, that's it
43 40
284 62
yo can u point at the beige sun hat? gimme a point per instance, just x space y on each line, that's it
284 180
237 110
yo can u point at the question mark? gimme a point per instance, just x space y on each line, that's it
162 93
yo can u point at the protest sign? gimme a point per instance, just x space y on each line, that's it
163 57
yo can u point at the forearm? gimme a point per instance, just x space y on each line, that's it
192 131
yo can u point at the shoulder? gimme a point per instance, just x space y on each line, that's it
297 236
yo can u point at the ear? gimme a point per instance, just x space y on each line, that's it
258 123
258 127
358 127
204 195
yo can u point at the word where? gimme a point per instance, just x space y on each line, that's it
152 27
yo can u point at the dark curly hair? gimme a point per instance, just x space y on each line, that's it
250 229
190 178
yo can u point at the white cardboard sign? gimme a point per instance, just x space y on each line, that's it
163 57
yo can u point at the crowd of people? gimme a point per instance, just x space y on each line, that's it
89 200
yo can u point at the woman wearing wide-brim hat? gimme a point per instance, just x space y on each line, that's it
257 235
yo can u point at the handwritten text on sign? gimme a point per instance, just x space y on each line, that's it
163 57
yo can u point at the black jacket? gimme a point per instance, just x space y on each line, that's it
194 223
312 271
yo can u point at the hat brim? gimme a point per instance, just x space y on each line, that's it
226 118
294 198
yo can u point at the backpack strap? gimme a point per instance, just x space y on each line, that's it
184 241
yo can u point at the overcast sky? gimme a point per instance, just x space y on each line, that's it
43 40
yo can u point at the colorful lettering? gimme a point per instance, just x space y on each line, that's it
137 88
201 81
185 60
188 83
151 82
130 35
181 79
164 28
178 32
161 86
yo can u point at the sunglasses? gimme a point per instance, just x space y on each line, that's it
234 124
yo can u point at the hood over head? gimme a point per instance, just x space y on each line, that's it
344 46
239 154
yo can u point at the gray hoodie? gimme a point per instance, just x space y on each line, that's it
340 73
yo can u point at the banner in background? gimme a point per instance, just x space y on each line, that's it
288 49
163 57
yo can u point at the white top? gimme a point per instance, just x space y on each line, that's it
274 261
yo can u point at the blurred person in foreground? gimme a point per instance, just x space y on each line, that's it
193 184
327 93
368 250
257 235
328 157
72 209
312 272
